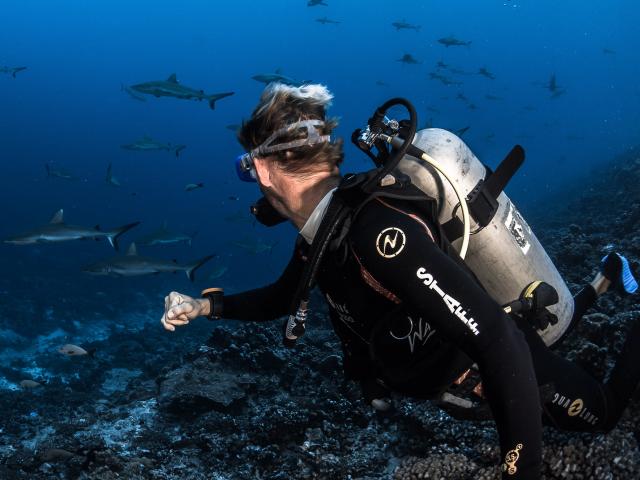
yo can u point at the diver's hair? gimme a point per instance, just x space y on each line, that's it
281 105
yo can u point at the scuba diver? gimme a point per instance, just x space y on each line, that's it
412 316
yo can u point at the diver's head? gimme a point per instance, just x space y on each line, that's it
290 152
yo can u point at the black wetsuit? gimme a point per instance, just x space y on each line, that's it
411 315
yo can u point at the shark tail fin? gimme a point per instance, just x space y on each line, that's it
217 96
191 269
113 235
179 149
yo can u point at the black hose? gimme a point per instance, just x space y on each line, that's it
376 122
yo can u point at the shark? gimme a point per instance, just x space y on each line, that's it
460 132
146 144
58 231
53 172
277 76
11 70
453 42
484 72
254 246
408 59
325 21
406 26
110 179
190 187
132 265
172 88
554 88
163 236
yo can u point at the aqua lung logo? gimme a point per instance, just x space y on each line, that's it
390 242
575 408
341 310
413 332
453 304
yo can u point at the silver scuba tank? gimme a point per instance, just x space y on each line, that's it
505 255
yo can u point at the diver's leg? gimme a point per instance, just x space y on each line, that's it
582 301
614 270
576 401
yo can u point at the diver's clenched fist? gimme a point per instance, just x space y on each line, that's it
179 309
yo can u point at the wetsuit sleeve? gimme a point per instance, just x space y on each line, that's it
266 303
396 250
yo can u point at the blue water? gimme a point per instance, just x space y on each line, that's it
67 108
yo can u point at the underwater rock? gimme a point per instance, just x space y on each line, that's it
202 386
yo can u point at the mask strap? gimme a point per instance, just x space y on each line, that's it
313 138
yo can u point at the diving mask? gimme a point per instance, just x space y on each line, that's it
244 163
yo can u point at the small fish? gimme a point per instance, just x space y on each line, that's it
380 83
408 59
325 21
29 384
441 64
488 96
193 186
608 51
75 351
233 197
313 3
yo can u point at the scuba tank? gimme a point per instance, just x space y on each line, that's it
504 253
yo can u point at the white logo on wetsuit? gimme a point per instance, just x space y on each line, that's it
420 330
342 310
450 302
390 242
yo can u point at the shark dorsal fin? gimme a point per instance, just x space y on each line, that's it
58 217
172 78
132 251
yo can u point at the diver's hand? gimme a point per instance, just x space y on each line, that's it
179 309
